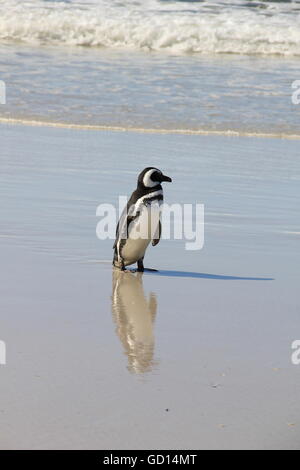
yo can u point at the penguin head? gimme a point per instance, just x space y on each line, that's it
151 177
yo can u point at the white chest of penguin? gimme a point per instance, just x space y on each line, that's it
141 231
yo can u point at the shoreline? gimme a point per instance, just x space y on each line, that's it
96 127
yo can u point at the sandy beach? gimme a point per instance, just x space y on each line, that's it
197 355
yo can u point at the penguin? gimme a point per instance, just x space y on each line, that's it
140 223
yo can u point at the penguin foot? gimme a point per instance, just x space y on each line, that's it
124 270
121 267
140 266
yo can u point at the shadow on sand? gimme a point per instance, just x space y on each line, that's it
219 277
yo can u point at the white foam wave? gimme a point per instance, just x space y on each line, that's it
175 27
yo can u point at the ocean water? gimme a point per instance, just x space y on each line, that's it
199 66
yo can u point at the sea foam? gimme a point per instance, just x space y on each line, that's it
175 27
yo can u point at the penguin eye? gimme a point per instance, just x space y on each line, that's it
155 176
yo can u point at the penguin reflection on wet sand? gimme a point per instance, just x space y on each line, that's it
140 222
134 316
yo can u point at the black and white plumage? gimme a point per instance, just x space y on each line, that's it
140 223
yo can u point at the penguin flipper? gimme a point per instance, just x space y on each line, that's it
117 236
128 221
155 240
124 218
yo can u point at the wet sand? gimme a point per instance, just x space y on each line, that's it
197 355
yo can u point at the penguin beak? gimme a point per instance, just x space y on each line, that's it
166 178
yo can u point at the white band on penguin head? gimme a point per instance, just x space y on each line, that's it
147 181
